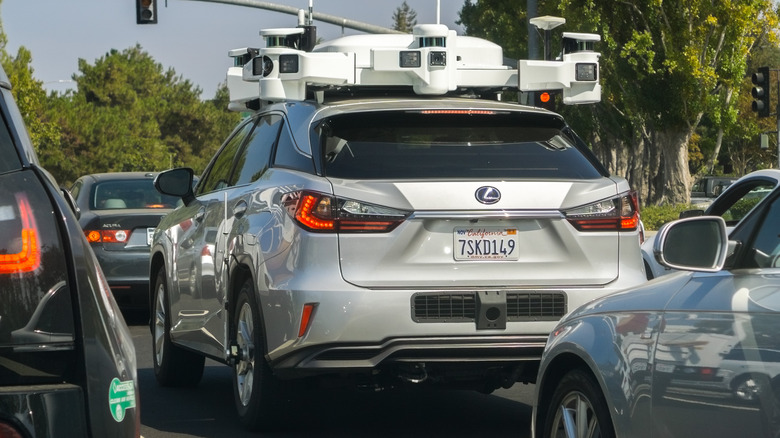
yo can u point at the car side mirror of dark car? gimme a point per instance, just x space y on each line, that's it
176 182
693 244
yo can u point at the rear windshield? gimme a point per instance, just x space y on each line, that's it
129 194
415 145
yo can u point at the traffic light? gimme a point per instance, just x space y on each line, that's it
545 99
760 92
146 11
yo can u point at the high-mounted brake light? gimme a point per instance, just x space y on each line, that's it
459 112
28 258
324 213
616 214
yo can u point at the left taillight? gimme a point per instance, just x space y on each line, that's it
323 213
22 251
620 213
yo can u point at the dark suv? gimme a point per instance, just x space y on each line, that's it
67 361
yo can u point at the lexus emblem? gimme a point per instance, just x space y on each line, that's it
488 195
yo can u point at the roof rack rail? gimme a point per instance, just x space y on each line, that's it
432 61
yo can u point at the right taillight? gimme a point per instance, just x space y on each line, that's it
620 213
323 213
23 252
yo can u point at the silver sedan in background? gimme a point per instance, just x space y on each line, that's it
693 353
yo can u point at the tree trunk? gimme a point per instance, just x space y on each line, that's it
675 178
714 157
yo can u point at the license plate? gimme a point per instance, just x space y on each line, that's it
149 235
491 243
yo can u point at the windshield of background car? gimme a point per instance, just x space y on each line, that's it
129 194
440 144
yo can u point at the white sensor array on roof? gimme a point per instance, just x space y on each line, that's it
433 61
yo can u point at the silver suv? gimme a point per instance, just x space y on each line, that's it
383 240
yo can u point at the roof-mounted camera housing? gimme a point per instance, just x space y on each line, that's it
432 61
576 73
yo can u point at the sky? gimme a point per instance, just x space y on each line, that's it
192 37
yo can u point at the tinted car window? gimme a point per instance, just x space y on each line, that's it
418 145
254 158
288 155
10 159
766 247
218 174
741 207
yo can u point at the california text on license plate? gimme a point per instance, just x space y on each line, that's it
489 243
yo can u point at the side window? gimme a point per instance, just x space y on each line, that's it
10 159
765 252
256 155
75 189
287 155
218 175
741 206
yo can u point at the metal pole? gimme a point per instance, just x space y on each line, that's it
326 18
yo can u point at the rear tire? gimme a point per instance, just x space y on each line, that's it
259 396
173 365
577 401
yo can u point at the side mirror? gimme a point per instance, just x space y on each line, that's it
176 182
693 244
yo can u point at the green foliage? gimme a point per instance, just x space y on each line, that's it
665 67
404 18
128 114
653 216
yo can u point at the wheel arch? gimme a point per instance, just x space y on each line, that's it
553 372
240 272
156 261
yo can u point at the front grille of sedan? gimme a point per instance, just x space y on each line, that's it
462 306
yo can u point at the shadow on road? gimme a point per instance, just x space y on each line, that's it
208 411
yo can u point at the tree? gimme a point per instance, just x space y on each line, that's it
404 18
665 66
128 114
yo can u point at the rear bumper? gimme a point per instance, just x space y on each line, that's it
444 352
127 273
131 294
